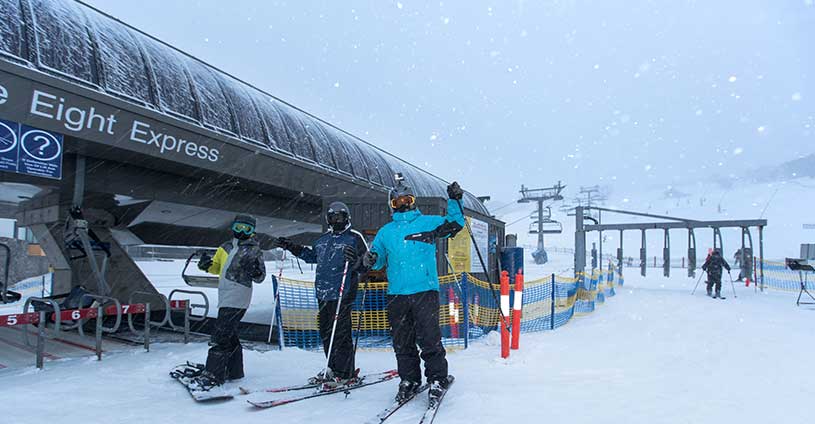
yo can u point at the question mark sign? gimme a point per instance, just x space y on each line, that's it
44 145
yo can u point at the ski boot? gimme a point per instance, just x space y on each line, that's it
339 382
406 390
709 290
437 389
203 382
322 377
718 294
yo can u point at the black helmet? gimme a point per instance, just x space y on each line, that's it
338 216
401 197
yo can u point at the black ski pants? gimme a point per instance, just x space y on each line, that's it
414 320
342 355
714 279
225 358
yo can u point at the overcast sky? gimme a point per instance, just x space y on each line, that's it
496 94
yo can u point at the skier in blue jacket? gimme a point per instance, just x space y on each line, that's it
406 245
331 251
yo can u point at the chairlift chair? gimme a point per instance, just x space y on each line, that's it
208 281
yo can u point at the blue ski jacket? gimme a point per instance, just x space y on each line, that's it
327 253
411 264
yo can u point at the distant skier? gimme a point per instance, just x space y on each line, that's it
331 251
406 245
238 263
737 263
713 266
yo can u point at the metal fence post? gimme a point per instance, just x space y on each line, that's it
552 312
100 314
187 322
466 303
41 339
147 326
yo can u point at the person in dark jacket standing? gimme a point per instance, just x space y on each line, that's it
713 266
339 246
406 245
238 263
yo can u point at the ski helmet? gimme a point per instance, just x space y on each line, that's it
243 226
401 197
338 217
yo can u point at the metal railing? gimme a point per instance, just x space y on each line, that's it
188 316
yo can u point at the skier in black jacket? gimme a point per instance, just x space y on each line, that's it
713 266
339 245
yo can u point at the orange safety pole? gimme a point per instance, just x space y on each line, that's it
517 304
504 314
451 306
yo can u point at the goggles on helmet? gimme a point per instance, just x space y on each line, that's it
402 201
240 227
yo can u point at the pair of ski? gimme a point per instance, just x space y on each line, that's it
427 418
362 381
429 414
185 374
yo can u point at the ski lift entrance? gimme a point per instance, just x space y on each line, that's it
674 223
207 281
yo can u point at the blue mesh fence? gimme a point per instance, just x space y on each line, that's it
467 307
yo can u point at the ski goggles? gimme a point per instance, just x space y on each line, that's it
402 201
240 227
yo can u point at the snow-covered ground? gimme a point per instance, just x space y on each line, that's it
651 354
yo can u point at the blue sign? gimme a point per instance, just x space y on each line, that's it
31 151
8 145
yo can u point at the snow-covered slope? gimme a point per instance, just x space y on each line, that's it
651 354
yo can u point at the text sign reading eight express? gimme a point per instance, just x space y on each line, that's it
31 151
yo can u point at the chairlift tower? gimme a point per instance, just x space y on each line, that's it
542 222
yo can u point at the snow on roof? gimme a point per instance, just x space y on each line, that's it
74 41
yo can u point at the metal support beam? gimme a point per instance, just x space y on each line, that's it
675 225
666 254
761 254
647 215
579 242
600 254
691 253
620 254
79 181
717 236
643 255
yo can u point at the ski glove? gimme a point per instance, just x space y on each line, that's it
205 262
369 259
350 255
289 245
454 191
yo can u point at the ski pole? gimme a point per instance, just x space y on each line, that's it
732 284
336 317
361 316
697 282
453 270
504 319
275 295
